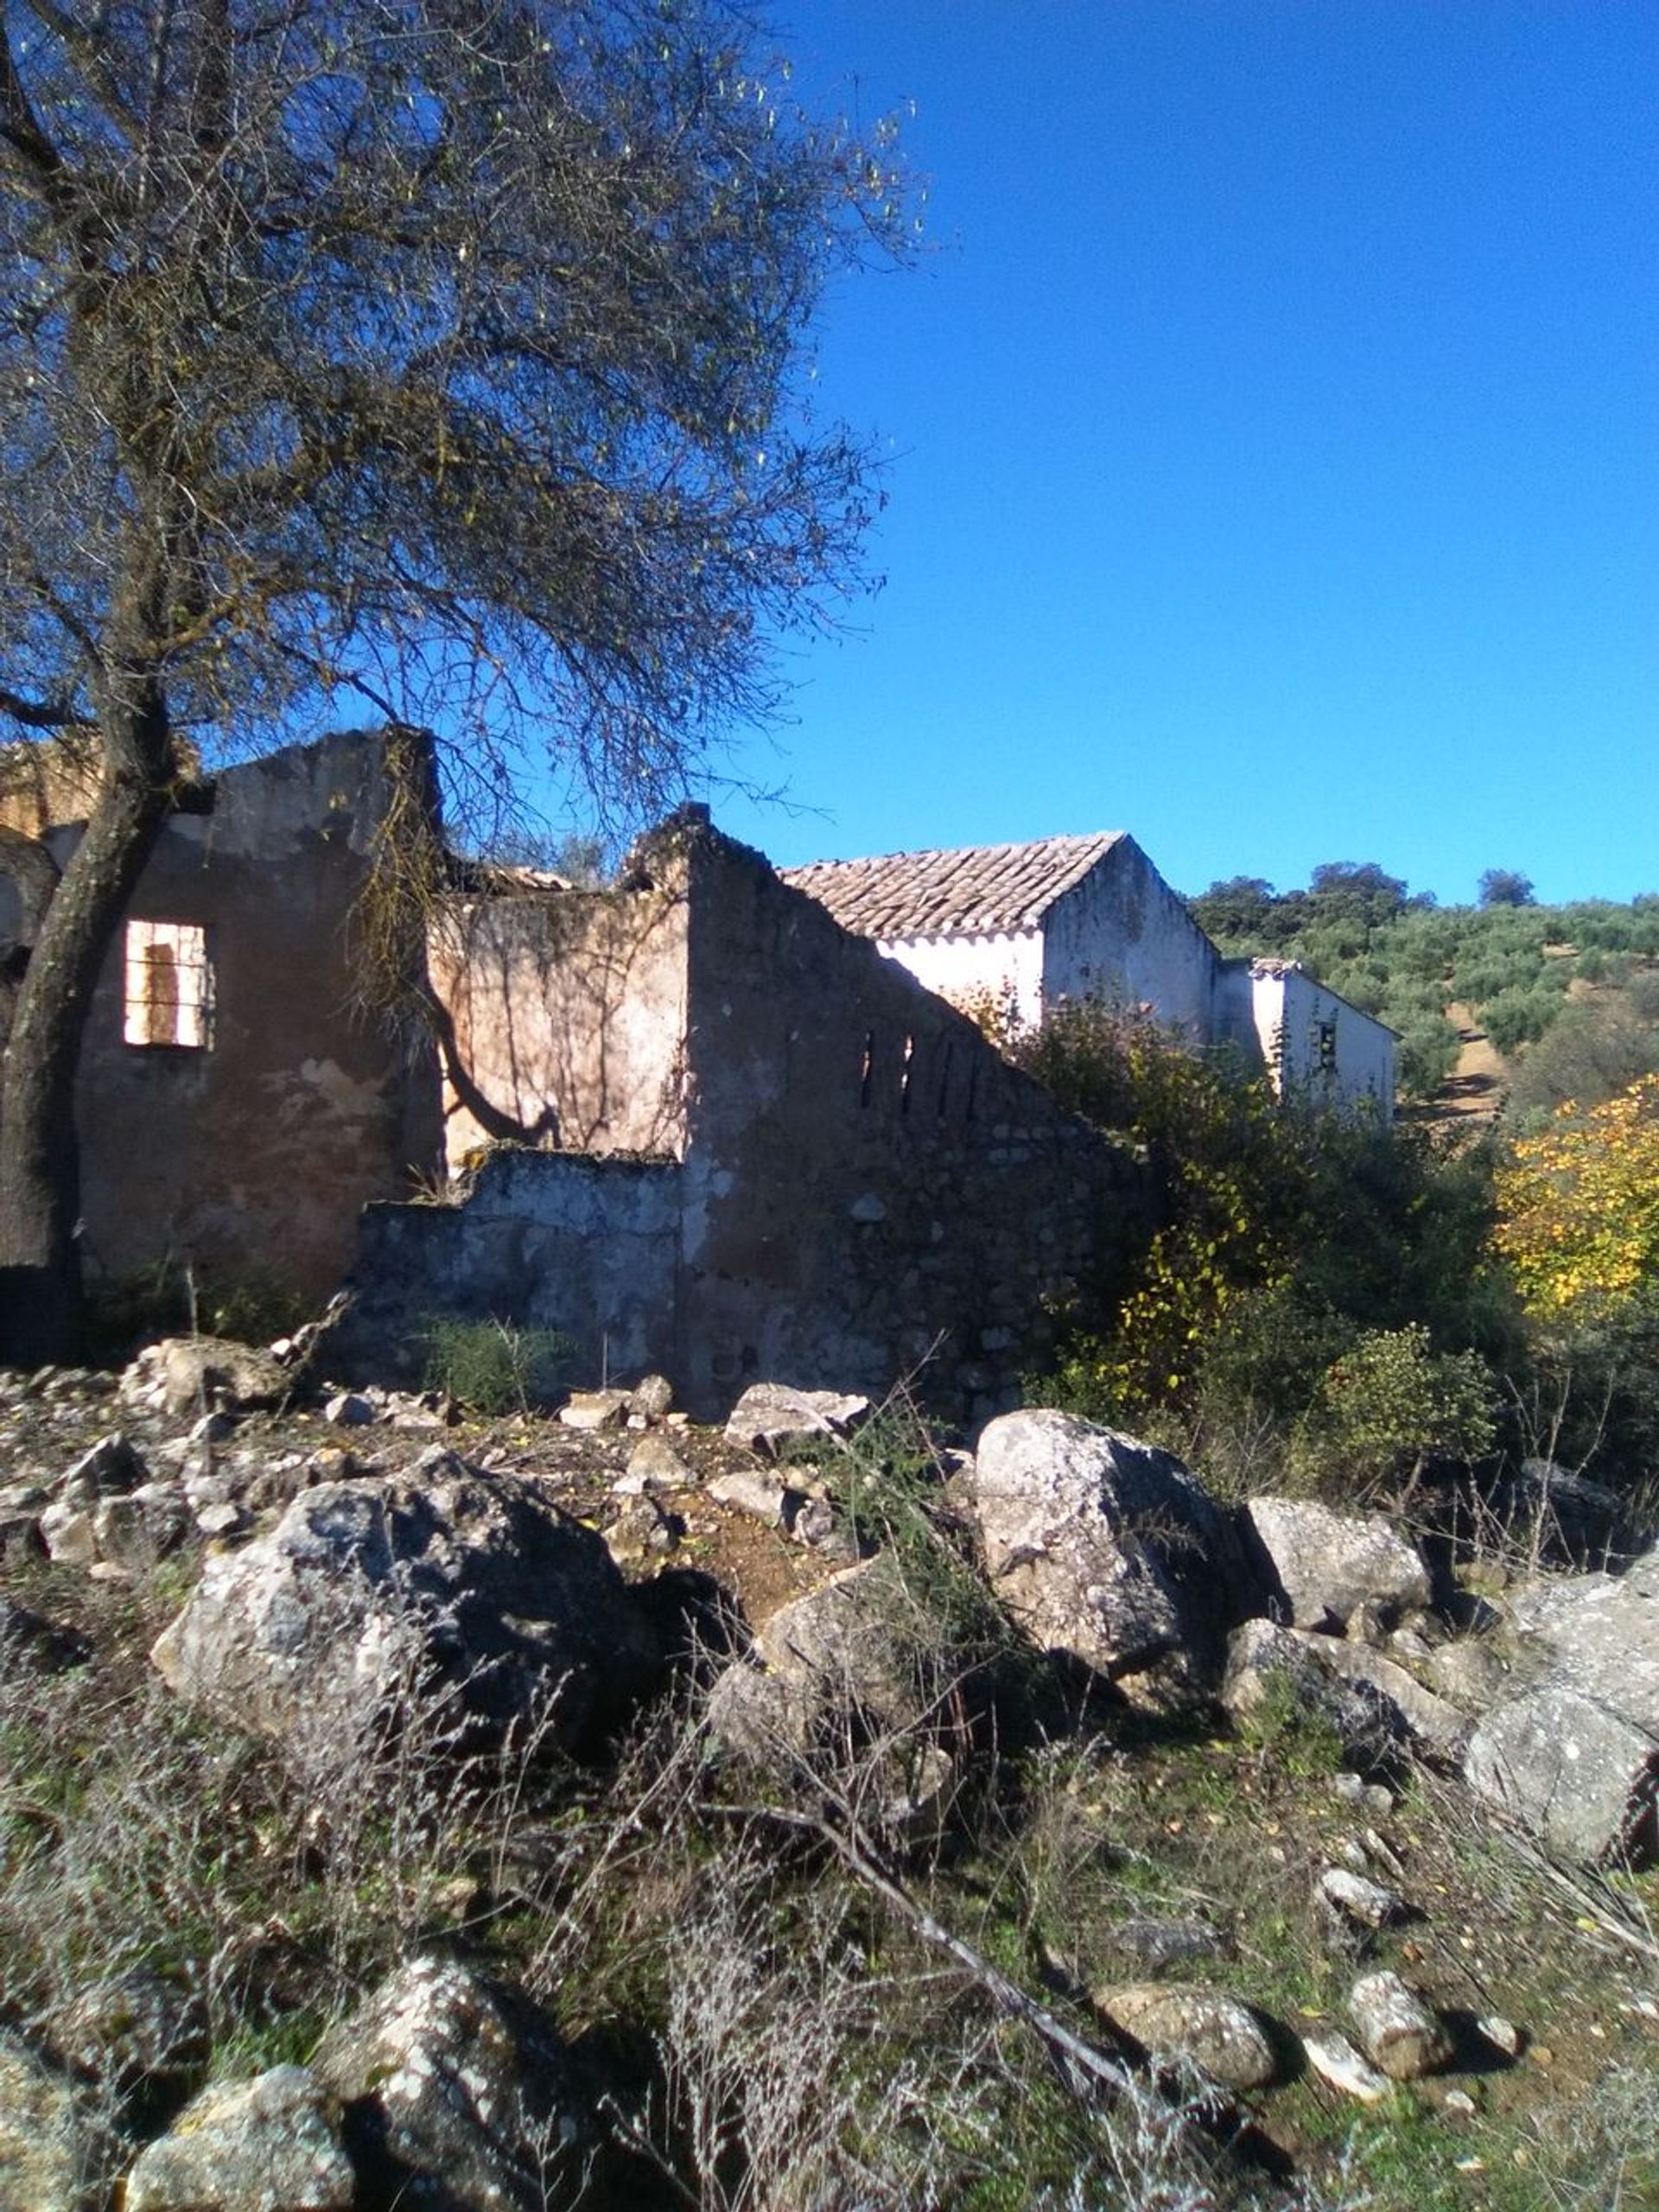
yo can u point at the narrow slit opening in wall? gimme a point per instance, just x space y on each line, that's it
868 1070
903 1079
944 1076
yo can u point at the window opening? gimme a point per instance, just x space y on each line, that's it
903 1080
944 1076
1324 1046
868 1068
169 985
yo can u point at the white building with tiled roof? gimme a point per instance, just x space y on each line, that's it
1025 926
1018 928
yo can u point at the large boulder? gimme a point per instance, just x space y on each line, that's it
268 2145
458 2095
1574 1758
857 1668
1321 1567
1581 1778
367 1590
1599 1632
1108 1550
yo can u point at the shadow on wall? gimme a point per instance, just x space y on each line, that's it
560 1017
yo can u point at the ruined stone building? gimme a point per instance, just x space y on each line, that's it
688 1121
1017 929
696 1124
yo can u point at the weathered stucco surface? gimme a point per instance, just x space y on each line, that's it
250 1157
566 1014
1318 1047
864 1185
1122 935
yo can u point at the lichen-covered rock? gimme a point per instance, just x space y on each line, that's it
192 1375
1276 1677
1601 1634
770 1415
1204 2027
462 2095
1108 1550
854 1669
39 2157
1397 2032
1433 1724
364 1591
1582 1779
271 2145
1321 1567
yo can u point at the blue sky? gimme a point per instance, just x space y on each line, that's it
1273 436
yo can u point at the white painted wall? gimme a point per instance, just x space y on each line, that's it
1314 1044
1004 967
1122 936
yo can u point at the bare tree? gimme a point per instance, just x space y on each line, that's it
440 356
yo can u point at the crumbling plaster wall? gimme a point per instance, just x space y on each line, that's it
252 1158
866 1185
1122 935
562 1019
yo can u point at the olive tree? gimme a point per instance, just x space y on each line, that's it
438 356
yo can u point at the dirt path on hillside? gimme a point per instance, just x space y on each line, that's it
1474 1089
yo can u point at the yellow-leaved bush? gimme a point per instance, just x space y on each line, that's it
1579 1208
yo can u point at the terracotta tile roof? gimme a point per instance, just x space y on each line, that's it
973 890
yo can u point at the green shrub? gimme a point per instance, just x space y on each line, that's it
1386 1406
493 1366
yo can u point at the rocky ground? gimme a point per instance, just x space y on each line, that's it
398 1807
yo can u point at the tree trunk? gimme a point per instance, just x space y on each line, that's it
39 1161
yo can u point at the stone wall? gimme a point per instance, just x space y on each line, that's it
867 1187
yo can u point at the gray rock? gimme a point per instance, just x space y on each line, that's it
850 1671
1160 1944
590 1410
184 1375
770 1415
1431 1724
655 1464
1599 1633
1355 1898
271 2145
1334 2059
1323 1565
762 1496
1106 1550
135 2026
351 1409
134 1532
440 1576
473 2096
1275 1674
1204 2027
67 1533
652 1397
1582 1779
109 1469
40 2138
36 1645
1397 2032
